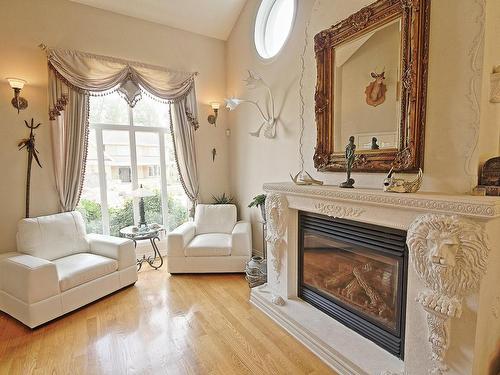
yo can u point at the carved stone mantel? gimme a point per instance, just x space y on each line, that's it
468 206
429 306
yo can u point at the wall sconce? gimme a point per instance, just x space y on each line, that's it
212 119
17 101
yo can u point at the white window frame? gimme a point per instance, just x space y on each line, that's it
162 132
260 26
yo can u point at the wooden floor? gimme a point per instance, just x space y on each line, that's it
185 324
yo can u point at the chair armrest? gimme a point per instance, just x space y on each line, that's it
28 278
242 239
179 238
120 249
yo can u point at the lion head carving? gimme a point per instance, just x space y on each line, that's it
449 253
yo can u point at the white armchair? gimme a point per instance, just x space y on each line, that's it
214 242
58 268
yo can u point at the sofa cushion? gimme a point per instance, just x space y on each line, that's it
52 237
215 218
209 245
79 269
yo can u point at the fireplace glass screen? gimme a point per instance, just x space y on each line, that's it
355 273
365 281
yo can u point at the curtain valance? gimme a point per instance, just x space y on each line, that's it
97 75
74 76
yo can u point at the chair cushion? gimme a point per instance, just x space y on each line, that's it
209 245
215 218
52 237
81 268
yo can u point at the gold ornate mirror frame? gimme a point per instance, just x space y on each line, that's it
409 156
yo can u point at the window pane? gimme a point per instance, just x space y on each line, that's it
118 179
109 109
178 202
148 173
150 112
278 25
273 25
90 201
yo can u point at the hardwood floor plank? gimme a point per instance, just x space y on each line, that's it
183 324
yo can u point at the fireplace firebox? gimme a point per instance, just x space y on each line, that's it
356 273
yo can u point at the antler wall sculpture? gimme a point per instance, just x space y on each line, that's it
29 144
254 81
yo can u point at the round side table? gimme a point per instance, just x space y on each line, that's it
150 234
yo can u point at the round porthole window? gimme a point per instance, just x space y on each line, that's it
273 26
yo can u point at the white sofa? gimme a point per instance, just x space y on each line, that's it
214 242
58 268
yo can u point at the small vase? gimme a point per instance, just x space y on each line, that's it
255 263
263 212
256 271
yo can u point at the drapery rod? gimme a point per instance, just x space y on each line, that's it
43 47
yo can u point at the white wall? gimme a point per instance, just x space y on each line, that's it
451 158
490 113
59 23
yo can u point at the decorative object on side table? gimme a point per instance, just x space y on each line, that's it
151 233
489 179
29 144
399 185
254 81
350 156
256 271
142 193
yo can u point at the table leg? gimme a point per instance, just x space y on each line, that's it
156 253
139 261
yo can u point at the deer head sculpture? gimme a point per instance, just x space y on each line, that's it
375 91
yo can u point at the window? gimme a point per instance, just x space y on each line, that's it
129 147
124 173
154 171
273 26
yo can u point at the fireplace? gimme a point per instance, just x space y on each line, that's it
355 273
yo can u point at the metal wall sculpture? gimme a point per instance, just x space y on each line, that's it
29 145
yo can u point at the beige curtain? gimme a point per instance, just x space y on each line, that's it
74 76
185 153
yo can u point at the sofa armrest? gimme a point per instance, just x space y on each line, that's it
242 239
28 278
179 238
120 249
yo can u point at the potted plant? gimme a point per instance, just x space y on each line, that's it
259 201
222 199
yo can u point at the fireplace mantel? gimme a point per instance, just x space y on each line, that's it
466 205
468 322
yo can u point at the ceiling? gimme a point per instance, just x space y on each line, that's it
213 18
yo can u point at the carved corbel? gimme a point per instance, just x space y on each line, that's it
277 221
449 254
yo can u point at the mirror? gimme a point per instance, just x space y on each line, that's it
371 84
367 74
